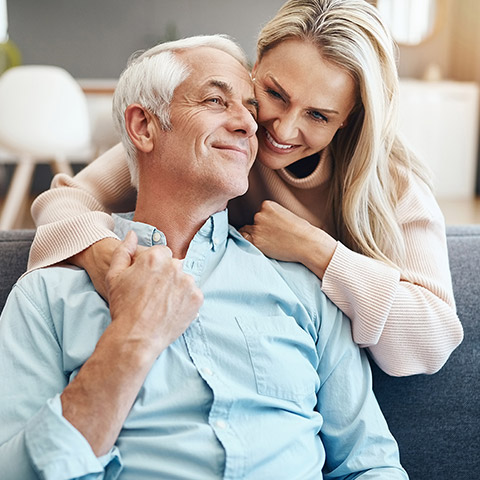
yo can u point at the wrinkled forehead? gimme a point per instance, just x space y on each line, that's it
206 63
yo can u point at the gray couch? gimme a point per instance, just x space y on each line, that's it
436 419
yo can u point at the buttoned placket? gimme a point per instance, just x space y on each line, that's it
203 248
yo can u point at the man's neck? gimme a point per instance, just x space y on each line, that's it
178 223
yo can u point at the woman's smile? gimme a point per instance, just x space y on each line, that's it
303 100
284 148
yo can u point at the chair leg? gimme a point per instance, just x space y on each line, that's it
17 193
60 165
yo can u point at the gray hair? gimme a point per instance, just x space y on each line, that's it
151 78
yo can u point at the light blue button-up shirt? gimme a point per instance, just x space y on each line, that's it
266 383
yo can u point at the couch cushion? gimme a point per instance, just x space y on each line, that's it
435 418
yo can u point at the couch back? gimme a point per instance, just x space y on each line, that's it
14 248
435 419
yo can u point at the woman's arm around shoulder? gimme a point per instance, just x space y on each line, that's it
408 320
73 217
75 212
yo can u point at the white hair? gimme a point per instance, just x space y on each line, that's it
151 78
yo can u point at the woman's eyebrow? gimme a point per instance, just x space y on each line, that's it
283 92
279 87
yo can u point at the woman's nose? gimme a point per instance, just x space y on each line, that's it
286 128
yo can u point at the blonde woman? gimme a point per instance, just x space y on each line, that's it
333 187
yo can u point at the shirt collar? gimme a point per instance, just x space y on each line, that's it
215 229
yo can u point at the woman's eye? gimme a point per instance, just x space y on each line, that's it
317 116
274 94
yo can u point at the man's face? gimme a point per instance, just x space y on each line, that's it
212 143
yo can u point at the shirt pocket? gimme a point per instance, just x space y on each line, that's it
283 357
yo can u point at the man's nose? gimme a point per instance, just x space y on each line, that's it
242 121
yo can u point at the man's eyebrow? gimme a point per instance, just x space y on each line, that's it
225 87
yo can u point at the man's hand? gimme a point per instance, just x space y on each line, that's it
150 294
152 302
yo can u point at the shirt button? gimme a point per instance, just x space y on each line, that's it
156 237
221 424
207 371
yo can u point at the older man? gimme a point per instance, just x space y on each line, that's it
224 365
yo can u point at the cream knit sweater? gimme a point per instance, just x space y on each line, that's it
409 327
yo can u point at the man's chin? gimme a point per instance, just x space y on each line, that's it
241 190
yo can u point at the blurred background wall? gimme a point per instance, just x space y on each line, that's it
93 39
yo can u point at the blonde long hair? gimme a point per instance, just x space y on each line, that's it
370 161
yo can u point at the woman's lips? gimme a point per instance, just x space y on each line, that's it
271 143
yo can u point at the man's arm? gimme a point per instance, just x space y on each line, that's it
34 437
141 294
357 441
152 303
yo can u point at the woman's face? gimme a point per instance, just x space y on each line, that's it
303 100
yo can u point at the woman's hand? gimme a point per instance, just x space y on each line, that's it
282 235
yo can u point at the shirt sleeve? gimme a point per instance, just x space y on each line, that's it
75 212
36 441
355 435
408 320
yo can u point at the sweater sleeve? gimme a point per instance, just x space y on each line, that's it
75 212
410 326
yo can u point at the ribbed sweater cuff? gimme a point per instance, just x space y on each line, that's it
349 282
58 241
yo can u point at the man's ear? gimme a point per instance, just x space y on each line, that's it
140 124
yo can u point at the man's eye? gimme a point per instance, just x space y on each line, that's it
216 100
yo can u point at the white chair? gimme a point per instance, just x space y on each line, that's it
43 118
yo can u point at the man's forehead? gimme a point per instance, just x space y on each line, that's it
209 53
212 68
207 63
